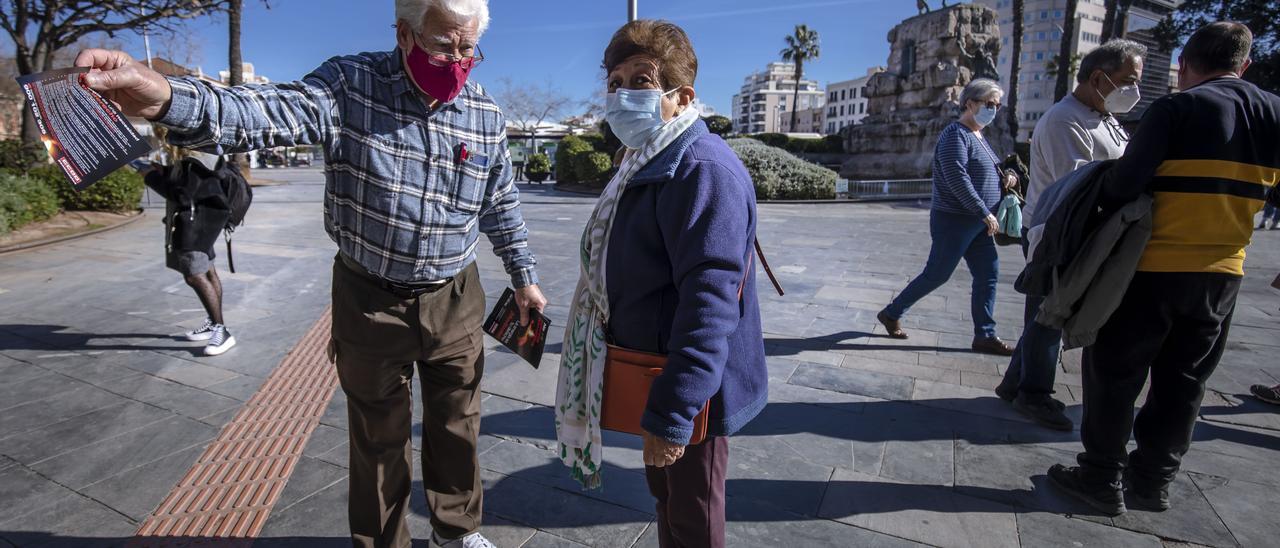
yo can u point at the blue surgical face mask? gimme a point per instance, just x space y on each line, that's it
985 116
634 115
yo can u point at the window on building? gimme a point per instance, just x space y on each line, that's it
1057 35
1039 56
842 110
1005 40
842 94
1040 36
1044 14
862 108
1057 14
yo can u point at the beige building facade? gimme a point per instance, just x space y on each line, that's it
764 102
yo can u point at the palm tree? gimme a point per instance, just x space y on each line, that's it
1051 66
1015 66
1112 26
1063 85
801 46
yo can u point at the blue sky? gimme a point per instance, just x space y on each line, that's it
562 41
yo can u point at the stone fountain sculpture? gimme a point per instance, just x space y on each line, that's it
932 58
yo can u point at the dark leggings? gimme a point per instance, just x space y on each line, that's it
209 289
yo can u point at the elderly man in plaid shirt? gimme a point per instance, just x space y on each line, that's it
416 167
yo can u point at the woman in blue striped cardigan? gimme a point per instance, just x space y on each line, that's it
966 190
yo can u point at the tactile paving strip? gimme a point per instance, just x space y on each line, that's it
228 493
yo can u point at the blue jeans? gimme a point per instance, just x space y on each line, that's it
956 236
1035 361
1270 212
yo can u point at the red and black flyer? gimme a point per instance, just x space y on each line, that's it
527 341
86 135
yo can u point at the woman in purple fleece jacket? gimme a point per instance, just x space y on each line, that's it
682 221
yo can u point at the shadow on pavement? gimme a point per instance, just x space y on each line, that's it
834 342
59 338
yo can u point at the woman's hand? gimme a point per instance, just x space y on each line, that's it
993 226
659 452
1010 180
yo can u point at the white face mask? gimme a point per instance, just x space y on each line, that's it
1121 99
985 115
635 115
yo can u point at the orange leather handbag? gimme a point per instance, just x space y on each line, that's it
629 374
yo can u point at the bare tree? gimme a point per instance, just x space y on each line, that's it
528 106
40 29
179 47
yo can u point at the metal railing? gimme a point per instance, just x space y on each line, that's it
884 189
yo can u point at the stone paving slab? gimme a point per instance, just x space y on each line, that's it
866 441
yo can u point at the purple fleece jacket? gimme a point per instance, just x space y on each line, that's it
681 242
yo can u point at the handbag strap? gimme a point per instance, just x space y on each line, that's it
763 262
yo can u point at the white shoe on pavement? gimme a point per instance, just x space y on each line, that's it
203 333
221 341
474 540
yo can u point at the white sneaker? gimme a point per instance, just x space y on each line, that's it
474 540
221 341
203 333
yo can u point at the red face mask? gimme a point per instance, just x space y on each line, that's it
442 83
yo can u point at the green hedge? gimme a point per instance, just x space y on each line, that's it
118 192
779 175
719 125
592 167
25 200
570 147
537 167
18 155
828 144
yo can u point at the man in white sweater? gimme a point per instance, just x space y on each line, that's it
1079 129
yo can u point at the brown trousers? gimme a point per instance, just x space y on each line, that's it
690 496
379 338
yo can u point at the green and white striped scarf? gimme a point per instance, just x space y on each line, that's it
581 382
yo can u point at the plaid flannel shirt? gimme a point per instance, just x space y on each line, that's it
407 190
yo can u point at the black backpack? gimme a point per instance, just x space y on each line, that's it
202 202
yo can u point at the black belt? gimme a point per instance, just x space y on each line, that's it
403 290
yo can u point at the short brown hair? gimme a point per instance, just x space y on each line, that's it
663 41
1216 47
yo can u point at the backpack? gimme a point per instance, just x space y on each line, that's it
201 202
239 193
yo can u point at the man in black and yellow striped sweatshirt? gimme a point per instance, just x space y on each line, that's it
1209 155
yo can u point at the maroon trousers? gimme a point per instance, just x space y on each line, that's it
690 496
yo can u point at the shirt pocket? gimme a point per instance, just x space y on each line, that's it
467 179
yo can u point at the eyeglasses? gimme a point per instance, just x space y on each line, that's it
441 59
991 104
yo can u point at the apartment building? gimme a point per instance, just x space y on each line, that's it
847 102
1042 37
766 98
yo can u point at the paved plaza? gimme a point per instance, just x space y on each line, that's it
866 441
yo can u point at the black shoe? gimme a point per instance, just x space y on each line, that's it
1156 500
1107 499
1044 411
1145 498
1006 393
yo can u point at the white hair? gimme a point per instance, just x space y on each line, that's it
413 11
